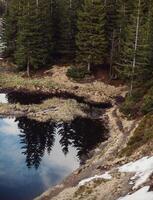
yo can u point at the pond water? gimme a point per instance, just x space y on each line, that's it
35 156
26 98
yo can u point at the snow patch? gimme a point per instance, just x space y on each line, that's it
3 98
141 194
143 169
105 176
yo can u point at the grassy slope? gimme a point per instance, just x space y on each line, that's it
142 136
57 80
56 109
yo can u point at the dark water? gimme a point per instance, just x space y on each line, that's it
26 97
35 156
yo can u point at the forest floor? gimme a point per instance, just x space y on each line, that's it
99 178
55 81
108 175
105 159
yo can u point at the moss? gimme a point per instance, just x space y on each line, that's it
142 135
140 103
147 105
130 107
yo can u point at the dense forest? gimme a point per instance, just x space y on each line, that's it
76 76
115 33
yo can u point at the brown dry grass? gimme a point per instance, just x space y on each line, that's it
95 91
55 109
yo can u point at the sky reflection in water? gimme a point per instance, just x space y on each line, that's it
34 156
15 178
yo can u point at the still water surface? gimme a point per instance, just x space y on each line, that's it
35 156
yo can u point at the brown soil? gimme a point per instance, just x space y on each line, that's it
101 73
104 158
56 80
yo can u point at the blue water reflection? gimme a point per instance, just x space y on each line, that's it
34 155
17 182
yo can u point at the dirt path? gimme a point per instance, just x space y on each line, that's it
104 156
120 128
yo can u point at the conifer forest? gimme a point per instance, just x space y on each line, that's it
118 33
76 99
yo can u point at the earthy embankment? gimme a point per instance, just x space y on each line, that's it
110 183
53 109
105 158
80 96
55 80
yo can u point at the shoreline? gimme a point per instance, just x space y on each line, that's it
104 157
93 94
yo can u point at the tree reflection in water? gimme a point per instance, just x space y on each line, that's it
37 137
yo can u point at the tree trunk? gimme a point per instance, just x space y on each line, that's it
89 66
37 3
112 55
28 68
70 2
135 47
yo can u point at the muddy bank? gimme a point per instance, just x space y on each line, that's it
72 100
34 96
26 97
53 109
44 106
104 158
58 83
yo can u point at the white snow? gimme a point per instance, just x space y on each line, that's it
3 98
105 176
143 169
141 194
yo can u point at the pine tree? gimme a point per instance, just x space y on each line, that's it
112 29
149 29
135 47
63 28
74 7
2 7
91 38
9 34
43 35
64 25
34 40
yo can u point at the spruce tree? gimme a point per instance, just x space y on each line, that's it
64 30
135 46
2 7
149 30
74 7
10 30
91 38
64 26
112 29
34 39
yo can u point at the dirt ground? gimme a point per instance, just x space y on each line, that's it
105 158
55 79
